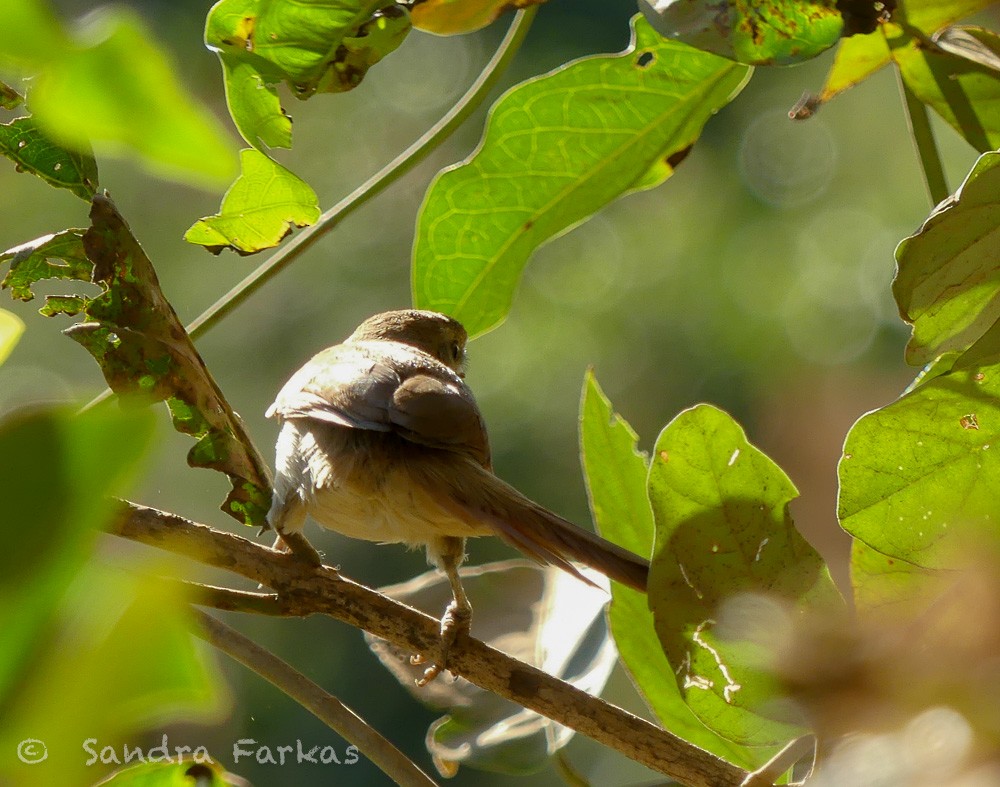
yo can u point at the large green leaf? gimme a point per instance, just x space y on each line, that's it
920 481
558 148
24 143
265 203
723 531
616 472
774 32
113 88
948 280
312 45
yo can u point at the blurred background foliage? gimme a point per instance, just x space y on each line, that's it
756 278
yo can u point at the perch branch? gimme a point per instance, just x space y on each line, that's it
302 590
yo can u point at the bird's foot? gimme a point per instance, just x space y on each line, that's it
457 620
299 547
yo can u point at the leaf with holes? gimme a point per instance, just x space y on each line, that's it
616 472
57 256
263 206
724 533
24 143
9 98
557 149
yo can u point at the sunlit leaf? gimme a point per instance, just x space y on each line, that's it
312 45
24 143
558 148
947 281
616 473
452 17
857 58
261 207
919 484
116 90
929 16
11 328
723 531
539 615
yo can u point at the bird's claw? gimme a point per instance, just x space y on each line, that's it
456 620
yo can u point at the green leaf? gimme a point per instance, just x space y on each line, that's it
261 207
928 16
115 90
857 58
253 102
312 45
966 94
616 472
171 774
24 143
723 530
57 256
558 148
11 328
947 280
454 17
919 483
777 32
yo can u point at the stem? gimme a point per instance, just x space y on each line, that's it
381 180
923 139
311 696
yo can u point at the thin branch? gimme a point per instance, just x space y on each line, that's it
305 591
768 774
919 124
313 698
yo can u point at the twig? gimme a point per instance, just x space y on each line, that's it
305 591
923 139
311 696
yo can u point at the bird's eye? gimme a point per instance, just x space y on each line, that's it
456 351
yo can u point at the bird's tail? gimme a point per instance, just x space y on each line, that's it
542 534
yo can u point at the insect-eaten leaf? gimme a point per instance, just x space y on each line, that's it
780 32
539 615
142 348
24 143
557 149
453 17
311 45
727 556
9 97
262 207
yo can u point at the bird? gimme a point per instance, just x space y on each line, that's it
381 439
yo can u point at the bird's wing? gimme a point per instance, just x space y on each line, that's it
355 387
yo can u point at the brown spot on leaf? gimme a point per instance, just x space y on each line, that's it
969 421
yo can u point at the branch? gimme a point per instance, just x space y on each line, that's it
304 591
919 123
313 698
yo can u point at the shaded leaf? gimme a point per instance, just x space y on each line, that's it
724 533
142 348
778 32
919 483
558 148
57 256
11 328
616 472
262 206
9 98
537 614
27 146
115 89
452 17
312 45
947 284
964 93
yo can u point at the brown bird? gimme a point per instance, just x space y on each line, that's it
382 440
